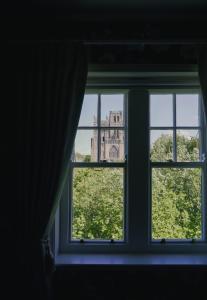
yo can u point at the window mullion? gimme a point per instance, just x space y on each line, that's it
204 204
202 135
174 129
99 125
138 169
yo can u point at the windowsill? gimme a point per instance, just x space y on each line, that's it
132 260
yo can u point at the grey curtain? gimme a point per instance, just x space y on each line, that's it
47 81
202 71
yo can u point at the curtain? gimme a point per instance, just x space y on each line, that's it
47 81
202 71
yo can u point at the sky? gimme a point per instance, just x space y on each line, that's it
89 110
161 114
90 106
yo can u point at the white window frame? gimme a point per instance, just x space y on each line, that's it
138 196
201 163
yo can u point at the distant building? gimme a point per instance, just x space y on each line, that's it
112 141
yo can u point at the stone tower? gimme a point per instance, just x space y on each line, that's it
111 141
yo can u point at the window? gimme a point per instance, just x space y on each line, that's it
97 180
137 175
177 166
113 153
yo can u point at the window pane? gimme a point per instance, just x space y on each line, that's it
161 110
176 203
98 204
161 145
187 113
89 111
188 148
112 145
85 149
112 110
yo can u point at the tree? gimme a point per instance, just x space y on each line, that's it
98 203
87 158
176 193
98 208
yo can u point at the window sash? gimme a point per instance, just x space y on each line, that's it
100 163
174 127
106 166
177 164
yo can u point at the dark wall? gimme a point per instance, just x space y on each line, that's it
144 24
105 20
130 283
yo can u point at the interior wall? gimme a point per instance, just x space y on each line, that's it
23 22
130 283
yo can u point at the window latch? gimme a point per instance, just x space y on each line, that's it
203 157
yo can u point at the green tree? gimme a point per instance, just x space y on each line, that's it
87 158
98 207
98 203
176 193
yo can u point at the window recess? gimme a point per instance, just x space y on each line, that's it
137 176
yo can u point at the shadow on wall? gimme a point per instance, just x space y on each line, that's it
130 283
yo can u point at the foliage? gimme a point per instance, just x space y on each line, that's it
176 193
87 158
176 201
82 157
176 207
98 203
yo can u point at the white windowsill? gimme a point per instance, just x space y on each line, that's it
130 260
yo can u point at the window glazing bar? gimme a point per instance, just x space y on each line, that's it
177 164
178 127
98 164
100 127
204 173
99 124
174 129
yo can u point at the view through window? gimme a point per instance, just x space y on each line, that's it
176 166
137 173
98 169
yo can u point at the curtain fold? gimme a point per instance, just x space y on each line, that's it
202 71
48 86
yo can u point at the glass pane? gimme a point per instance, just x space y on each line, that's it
188 145
161 110
161 145
112 145
187 110
112 110
85 149
98 204
176 203
89 111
